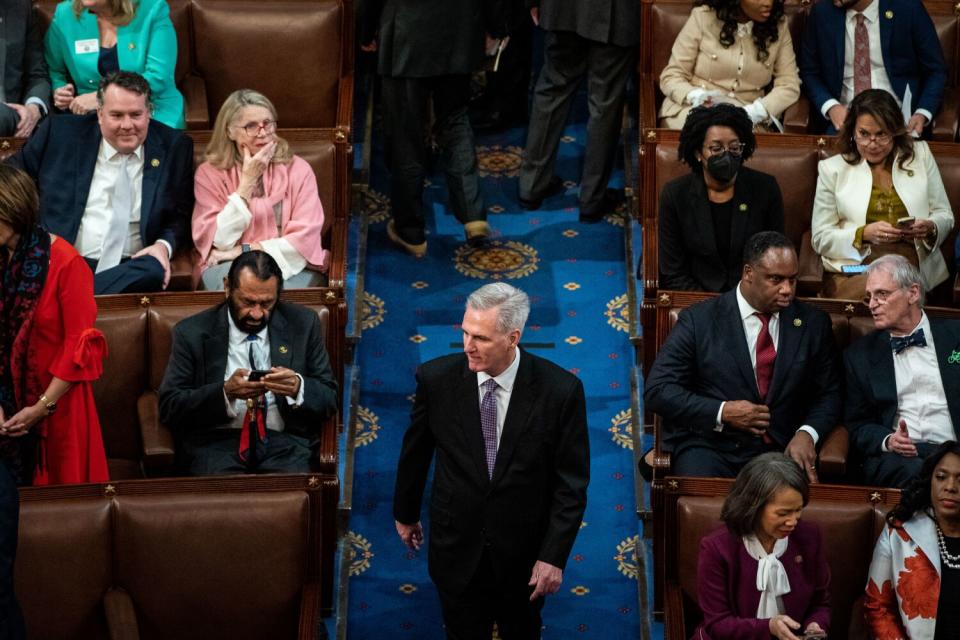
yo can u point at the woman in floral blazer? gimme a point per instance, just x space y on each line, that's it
912 588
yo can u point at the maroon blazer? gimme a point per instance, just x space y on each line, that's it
727 585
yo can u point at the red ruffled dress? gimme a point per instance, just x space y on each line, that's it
64 343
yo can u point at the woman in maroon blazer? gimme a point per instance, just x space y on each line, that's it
765 573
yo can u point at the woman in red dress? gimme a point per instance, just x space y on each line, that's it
49 350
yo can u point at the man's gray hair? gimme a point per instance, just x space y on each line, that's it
512 304
902 271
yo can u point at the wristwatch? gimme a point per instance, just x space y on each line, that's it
245 248
48 404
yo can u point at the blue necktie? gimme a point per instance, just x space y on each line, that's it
915 339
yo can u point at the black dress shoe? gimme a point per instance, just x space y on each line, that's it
608 204
553 188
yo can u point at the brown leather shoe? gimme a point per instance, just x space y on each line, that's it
416 250
477 232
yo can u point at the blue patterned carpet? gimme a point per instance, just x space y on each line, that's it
576 278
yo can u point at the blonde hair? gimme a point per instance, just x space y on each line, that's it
222 152
121 11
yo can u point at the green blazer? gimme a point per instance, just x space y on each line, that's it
148 46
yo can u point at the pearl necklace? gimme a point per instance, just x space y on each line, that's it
952 561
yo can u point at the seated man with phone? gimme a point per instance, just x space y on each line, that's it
249 383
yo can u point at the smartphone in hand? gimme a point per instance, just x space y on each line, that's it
256 375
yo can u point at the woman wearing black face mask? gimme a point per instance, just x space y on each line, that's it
707 215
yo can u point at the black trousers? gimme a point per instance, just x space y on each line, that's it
11 619
709 462
406 113
471 614
893 470
9 119
216 452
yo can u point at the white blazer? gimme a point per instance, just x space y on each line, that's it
840 208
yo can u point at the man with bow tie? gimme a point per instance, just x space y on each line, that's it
903 380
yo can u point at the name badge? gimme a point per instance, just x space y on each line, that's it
86 46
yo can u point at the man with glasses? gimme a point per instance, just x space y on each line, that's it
116 184
751 371
903 380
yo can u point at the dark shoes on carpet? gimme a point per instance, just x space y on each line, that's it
553 188
608 204
417 247
477 232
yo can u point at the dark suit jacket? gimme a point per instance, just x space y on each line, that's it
705 361
23 67
909 44
609 21
62 155
727 585
429 38
687 249
870 406
191 395
532 508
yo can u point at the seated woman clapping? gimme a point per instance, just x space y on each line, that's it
914 586
253 193
730 51
745 585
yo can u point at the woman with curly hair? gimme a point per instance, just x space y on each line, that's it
730 51
707 215
914 586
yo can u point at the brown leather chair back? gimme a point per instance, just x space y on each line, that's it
180 17
289 50
948 161
666 21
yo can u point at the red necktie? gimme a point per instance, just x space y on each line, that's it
861 57
766 355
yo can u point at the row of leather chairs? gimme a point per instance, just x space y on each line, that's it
662 20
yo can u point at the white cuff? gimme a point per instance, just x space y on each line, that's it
167 245
231 412
296 402
885 445
43 105
926 114
232 221
756 111
829 104
696 97
810 430
719 425
287 258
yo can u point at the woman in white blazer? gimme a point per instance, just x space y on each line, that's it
881 194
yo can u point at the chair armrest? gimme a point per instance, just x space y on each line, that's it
194 91
944 127
648 103
796 119
661 458
810 277
158 445
674 616
833 453
121 615
181 272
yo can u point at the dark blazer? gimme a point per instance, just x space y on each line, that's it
24 69
429 38
908 41
532 508
608 21
191 395
62 155
870 406
727 585
687 246
705 361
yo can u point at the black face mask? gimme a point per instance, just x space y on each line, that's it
723 167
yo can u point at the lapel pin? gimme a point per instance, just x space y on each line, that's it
154 163
797 322
888 15
798 559
283 348
910 173
954 357
132 46
743 207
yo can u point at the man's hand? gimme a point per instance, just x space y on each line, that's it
29 115
411 534
63 96
84 103
282 382
783 626
746 416
916 123
812 628
900 442
545 579
804 453
237 387
837 114
158 251
535 15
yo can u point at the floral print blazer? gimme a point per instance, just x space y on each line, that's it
904 583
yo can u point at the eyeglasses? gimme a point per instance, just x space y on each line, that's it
253 129
734 149
865 137
880 296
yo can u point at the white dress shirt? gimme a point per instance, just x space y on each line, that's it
505 381
878 72
751 329
98 213
921 400
234 219
238 357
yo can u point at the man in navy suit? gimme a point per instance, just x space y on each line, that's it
750 371
115 184
24 84
904 57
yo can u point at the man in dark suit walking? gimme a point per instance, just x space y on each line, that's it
117 185
210 394
24 84
512 466
593 38
900 54
750 371
903 380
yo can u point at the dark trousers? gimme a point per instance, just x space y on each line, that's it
471 614
567 58
9 119
216 452
11 619
894 470
407 118
139 275
711 462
